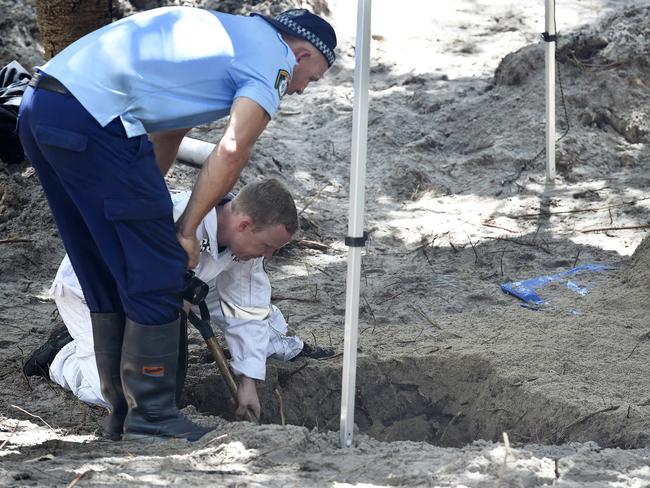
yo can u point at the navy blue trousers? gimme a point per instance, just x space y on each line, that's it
111 206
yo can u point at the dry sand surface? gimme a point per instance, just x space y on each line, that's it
457 205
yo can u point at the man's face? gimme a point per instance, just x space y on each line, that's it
311 67
249 242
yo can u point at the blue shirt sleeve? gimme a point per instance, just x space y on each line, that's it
256 76
267 97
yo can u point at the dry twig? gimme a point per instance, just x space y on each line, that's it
585 418
423 315
319 246
489 224
412 340
577 210
473 249
444 432
295 299
10 436
22 368
212 441
313 199
282 419
575 261
14 241
502 471
522 243
628 227
32 415
78 478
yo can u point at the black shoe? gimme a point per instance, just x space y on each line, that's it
314 352
149 377
38 363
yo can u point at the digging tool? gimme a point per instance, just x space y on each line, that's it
195 292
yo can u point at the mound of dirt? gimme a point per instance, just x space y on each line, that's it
637 270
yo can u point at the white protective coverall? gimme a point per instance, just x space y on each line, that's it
239 302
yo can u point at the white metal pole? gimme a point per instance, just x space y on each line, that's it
355 224
550 90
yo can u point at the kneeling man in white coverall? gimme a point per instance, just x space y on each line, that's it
235 238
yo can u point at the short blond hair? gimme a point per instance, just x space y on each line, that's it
267 202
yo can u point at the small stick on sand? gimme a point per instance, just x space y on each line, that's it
444 432
521 243
10 435
632 351
424 316
424 251
494 226
473 249
577 210
282 419
295 299
15 241
319 246
629 227
211 441
77 479
502 471
313 199
32 415
575 261
586 417
372 314
22 368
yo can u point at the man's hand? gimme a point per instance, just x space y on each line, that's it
192 248
247 398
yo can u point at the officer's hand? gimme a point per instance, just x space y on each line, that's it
192 248
247 398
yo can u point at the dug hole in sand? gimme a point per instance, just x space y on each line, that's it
457 205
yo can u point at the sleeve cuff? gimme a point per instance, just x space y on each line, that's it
251 367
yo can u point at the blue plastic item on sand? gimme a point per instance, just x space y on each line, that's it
527 290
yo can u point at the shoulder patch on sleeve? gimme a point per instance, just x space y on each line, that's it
282 82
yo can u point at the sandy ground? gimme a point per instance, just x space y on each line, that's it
457 204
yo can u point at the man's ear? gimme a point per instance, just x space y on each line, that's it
244 223
302 54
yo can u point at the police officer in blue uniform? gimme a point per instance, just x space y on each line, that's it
102 122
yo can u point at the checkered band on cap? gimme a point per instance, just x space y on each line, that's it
286 20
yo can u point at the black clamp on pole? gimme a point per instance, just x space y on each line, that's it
357 241
548 37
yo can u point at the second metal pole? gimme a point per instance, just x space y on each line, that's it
355 226
550 91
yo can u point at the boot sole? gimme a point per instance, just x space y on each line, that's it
146 438
153 438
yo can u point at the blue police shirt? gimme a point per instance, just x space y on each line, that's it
174 67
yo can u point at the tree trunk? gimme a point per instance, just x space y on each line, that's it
61 22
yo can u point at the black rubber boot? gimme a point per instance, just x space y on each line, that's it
182 359
38 363
108 331
149 376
